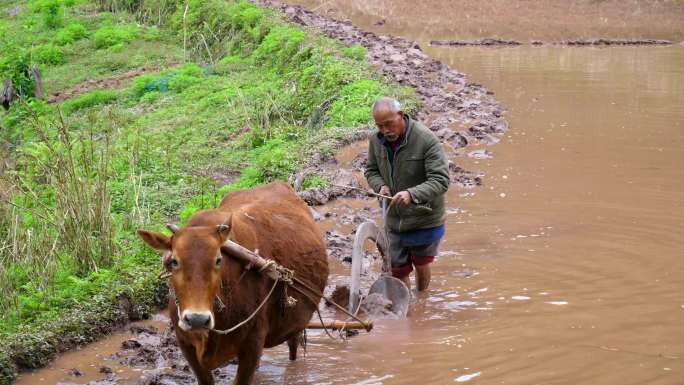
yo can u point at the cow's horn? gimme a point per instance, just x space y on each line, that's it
172 227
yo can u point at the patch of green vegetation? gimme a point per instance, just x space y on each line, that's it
355 52
315 181
112 35
175 80
354 102
51 11
14 64
94 98
71 33
48 54
86 63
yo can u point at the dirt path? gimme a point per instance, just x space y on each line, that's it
112 82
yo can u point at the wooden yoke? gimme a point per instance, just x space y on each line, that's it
250 258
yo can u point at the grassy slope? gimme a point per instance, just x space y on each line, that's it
266 96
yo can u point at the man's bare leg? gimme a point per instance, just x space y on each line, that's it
423 277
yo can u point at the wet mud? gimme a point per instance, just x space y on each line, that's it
484 42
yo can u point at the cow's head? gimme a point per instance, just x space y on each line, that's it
193 257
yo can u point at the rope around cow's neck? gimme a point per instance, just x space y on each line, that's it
232 329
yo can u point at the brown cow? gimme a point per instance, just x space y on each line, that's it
271 219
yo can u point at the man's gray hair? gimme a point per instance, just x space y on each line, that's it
388 103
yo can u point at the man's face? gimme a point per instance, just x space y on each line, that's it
390 124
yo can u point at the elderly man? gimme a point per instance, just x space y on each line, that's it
407 162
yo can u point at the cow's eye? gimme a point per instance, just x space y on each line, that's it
218 261
173 263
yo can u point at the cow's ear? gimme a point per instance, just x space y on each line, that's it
155 240
223 229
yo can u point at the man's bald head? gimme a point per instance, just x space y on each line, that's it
389 118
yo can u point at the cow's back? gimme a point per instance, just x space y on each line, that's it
274 220
280 223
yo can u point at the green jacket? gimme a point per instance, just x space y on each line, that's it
420 167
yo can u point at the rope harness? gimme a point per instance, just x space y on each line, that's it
277 273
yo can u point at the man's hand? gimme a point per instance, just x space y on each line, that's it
401 199
385 190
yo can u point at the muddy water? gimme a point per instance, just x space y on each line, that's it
94 362
574 239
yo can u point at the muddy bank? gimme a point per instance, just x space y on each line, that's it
31 349
485 42
448 98
600 42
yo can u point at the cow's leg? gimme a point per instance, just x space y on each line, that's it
248 361
204 376
293 343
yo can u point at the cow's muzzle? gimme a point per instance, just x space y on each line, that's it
194 320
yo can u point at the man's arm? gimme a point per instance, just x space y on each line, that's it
436 172
372 172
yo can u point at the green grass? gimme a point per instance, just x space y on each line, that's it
253 102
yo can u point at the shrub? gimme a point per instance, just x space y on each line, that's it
151 34
71 33
353 106
14 65
48 54
276 159
51 12
211 23
355 52
90 99
149 83
314 181
175 80
112 35
280 46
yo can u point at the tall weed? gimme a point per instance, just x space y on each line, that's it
58 210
